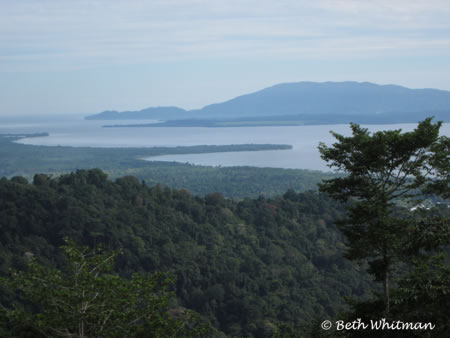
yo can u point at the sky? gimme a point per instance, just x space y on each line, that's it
87 56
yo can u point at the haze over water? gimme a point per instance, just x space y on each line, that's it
304 139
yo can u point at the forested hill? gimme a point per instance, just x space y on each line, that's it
311 100
251 268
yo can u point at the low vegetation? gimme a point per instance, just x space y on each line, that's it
237 182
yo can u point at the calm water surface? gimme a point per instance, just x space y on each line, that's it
75 131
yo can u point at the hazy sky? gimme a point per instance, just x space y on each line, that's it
86 56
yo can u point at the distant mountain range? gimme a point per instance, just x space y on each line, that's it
334 101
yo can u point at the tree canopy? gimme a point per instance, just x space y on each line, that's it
249 267
385 169
86 299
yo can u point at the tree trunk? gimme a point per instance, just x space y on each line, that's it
386 292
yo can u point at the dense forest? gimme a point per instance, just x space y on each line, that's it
363 248
248 267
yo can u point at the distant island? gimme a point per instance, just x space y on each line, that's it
291 120
144 114
303 103
28 135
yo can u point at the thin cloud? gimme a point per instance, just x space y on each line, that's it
68 34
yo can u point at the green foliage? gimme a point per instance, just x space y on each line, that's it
232 182
423 294
383 169
251 268
87 300
440 168
384 166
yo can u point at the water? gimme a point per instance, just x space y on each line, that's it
75 131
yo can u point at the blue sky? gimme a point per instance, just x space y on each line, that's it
86 56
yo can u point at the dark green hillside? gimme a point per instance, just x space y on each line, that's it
249 267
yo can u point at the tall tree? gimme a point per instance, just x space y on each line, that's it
383 168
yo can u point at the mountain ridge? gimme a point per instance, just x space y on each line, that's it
310 98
